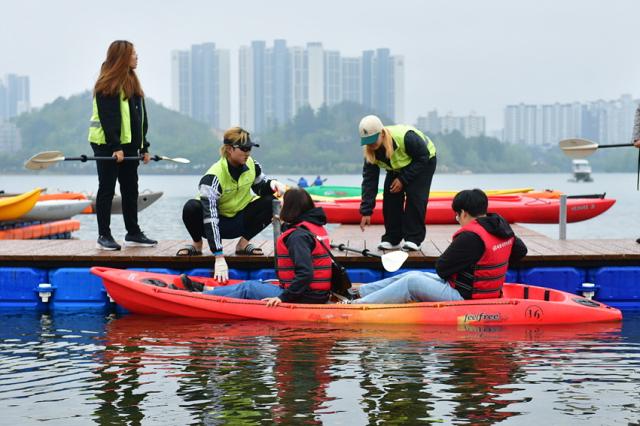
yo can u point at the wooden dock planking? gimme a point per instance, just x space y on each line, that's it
542 251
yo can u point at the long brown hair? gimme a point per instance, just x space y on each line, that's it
295 202
116 73
387 142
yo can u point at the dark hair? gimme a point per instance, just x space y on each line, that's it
295 202
472 201
116 74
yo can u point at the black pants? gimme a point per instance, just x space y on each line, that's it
406 220
126 173
246 224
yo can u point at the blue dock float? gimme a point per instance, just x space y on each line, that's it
54 275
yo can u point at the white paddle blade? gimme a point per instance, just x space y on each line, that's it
42 160
392 261
578 148
175 159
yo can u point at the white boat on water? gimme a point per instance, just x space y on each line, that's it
581 170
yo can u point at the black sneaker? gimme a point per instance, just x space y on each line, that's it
191 285
106 242
138 240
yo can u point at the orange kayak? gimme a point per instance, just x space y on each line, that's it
149 293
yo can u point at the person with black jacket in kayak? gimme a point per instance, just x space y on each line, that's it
474 265
409 157
303 264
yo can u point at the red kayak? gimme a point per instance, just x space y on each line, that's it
514 208
150 293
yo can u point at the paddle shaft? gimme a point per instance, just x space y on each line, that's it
364 252
84 158
617 145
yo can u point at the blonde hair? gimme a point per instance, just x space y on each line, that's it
233 136
387 142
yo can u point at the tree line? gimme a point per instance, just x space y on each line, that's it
314 142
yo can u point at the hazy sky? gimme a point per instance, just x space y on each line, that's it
460 56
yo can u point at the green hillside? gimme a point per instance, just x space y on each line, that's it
322 142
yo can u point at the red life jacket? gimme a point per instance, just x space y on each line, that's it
490 271
320 259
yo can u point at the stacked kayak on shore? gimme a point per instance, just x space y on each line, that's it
34 215
150 293
514 208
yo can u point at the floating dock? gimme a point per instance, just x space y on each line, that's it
612 265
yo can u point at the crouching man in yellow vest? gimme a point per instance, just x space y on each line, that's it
234 200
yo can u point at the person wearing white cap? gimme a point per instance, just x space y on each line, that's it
409 157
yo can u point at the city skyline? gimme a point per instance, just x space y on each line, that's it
460 56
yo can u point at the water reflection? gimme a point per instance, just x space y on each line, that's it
132 370
262 372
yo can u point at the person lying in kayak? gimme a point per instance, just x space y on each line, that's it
303 265
474 265
227 205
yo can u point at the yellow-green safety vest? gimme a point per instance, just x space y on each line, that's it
400 158
96 134
235 194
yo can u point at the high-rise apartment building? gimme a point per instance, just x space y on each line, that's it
274 83
603 121
201 84
15 97
469 126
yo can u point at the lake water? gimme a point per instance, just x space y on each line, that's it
163 219
81 369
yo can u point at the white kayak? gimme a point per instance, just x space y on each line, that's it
145 199
56 209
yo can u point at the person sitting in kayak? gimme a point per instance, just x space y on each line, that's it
409 157
302 182
303 265
318 181
474 265
227 205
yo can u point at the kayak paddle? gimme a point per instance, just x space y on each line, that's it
42 160
581 148
391 261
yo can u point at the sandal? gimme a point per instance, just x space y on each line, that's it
250 250
188 250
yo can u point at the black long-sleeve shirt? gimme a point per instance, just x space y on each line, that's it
415 147
111 122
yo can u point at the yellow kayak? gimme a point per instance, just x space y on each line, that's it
12 208
433 194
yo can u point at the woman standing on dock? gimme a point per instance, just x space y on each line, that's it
409 157
227 205
118 129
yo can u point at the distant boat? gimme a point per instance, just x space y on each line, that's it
581 171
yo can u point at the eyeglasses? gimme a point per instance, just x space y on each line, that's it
243 148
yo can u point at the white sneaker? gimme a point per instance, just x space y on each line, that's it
409 246
386 245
